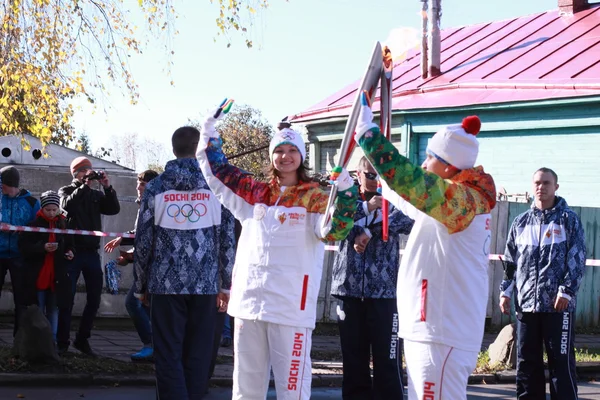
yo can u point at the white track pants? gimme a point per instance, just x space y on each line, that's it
437 372
259 345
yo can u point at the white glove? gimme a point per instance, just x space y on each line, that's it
365 117
341 178
208 126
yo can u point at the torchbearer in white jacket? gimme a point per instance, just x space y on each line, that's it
442 280
279 260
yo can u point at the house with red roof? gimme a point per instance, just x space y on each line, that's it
534 81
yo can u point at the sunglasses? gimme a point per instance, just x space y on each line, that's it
370 175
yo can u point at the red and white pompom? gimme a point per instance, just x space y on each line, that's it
472 124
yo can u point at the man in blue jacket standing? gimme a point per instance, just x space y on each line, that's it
544 263
184 247
364 279
18 208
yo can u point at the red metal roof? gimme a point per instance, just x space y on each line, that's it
535 57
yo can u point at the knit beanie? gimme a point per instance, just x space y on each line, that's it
49 198
79 164
457 144
10 176
288 136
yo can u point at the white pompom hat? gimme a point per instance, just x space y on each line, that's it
457 144
288 136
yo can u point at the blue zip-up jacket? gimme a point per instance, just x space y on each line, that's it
374 273
546 249
19 210
185 239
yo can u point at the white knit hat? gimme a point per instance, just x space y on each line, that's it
457 144
288 136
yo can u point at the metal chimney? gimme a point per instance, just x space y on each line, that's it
570 7
434 48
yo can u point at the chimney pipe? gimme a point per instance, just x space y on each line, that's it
435 12
570 7
424 62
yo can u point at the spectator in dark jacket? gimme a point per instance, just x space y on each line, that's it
45 279
138 311
18 208
85 207
365 271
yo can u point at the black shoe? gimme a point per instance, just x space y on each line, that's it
83 346
62 349
226 342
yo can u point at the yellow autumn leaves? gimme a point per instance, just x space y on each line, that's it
52 51
55 51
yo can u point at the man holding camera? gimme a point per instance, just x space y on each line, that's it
84 207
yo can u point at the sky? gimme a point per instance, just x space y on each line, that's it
304 51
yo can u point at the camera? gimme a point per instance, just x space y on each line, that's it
94 175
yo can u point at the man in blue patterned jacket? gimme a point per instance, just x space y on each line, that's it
184 247
364 280
544 262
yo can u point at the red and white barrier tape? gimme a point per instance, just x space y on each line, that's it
493 257
7 227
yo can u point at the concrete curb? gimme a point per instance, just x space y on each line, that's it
585 371
74 380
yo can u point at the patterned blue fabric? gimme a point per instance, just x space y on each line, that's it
171 261
548 249
374 273
112 275
18 210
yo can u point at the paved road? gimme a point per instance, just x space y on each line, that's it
587 391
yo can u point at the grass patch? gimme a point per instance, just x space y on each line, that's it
485 367
73 363
583 355
587 355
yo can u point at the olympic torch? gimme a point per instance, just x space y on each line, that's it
385 124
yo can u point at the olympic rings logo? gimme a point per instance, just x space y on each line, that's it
187 212
288 136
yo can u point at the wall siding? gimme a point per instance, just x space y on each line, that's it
329 156
512 160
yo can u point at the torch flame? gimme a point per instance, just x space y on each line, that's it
401 40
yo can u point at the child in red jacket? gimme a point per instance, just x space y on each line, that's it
46 282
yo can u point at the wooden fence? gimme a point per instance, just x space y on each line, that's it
588 299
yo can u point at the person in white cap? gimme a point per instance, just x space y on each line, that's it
278 265
443 279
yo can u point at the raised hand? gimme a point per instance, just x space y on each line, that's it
341 178
208 127
365 117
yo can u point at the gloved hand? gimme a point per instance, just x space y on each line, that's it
341 178
208 127
365 117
